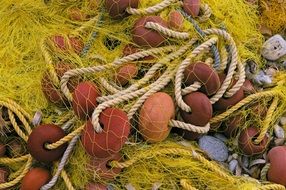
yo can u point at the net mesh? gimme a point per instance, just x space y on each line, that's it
43 41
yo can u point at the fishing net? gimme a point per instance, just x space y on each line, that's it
49 47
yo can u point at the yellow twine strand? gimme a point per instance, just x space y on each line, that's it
14 160
65 139
18 178
13 108
187 185
267 121
243 102
16 127
272 187
49 61
67 180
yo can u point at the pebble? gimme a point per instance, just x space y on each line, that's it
283 121
262 79
232 165
274 48
220 137
279 142
214 147
279 132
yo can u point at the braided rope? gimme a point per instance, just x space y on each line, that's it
16 127
264 171
192 88
233 64
163 80
14 160
19 114
151 10
75 72
167 32
203 35
207 12
187 185
19 108
65 139
154 87
49 61
63 162
272 187
190 127
65 118
267 121
243 102
108 86
181 69
151 72
67 180
20 177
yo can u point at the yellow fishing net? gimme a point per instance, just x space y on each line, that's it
30 47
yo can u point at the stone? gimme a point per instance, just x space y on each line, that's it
261 78
279 132
214 147
274 48
232 165
283 121
279 142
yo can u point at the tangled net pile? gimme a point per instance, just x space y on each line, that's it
48 47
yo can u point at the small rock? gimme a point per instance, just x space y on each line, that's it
274 48
232 165
214 147
262 79
283 121
220 137
279 142
245 161
279 132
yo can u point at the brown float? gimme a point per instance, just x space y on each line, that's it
42 135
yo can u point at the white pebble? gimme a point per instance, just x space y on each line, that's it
232 165
274 48
279 132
